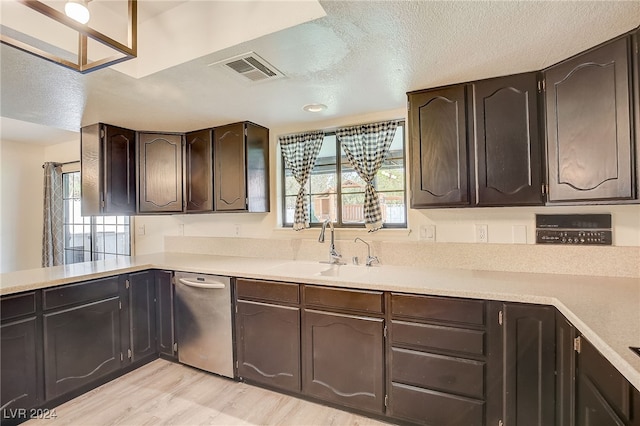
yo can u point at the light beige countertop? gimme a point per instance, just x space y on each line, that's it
606 310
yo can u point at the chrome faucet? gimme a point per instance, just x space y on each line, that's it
334 256
370 259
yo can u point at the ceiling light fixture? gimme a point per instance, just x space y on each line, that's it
76 17
77 10
314 107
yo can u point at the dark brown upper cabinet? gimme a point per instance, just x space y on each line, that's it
160 166
241 167
108 170
588 109
198 171
504 166
508 145
438 144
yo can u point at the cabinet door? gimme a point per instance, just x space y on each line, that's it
508 148
229 164
588 126
165 331
142 314
21 364
160 172
120 171
438 142
529 365
268 342
565 372
343 359
108 170
81 344
604 397
198 171
257 168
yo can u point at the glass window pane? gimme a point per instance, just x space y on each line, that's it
328 198
291 186
398 140
86 237
327 154
351 181
323 207
390 177
77 211
322 183
109 220
352 208
393 207
289 209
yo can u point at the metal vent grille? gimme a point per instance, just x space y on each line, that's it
250 67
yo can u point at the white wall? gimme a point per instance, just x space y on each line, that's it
21 206
21 194
452 225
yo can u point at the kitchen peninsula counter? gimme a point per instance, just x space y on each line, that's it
606 310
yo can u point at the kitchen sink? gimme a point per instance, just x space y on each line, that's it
318 269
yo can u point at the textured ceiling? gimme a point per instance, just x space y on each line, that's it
361 57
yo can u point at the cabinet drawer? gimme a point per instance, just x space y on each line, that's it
267 290
434 408
442 373
337 298
426 336
438 309
58 297
17 305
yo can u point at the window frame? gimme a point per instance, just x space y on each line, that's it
338 223
94 252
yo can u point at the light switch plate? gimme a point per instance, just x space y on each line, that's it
428 233
140 230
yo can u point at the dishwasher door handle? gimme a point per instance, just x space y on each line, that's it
210 285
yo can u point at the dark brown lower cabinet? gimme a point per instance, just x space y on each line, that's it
528 365
268 343
81 344
165 332
344 359
142 312
438 360
604 397
21 361
565 372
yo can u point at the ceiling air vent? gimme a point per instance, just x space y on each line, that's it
250 67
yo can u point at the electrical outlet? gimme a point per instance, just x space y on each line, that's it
428 233
482 234
237 229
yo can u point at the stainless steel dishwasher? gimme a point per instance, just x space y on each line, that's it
203 322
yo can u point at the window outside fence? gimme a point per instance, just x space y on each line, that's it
92 237
335 190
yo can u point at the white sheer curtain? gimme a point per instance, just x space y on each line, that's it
366 147
53 216
300 152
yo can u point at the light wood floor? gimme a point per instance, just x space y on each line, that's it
163 392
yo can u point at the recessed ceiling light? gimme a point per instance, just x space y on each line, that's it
314 107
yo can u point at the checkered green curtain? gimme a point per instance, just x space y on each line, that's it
300 152
366 147
52 235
